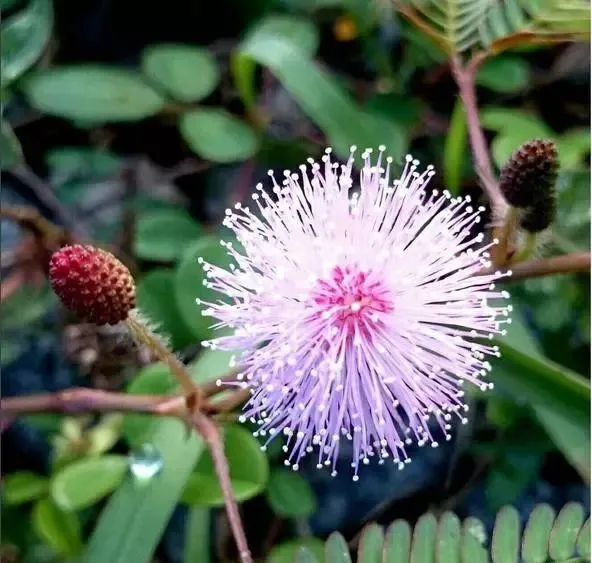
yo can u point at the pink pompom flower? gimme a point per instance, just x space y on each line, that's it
359 308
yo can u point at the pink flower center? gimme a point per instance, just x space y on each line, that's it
352 299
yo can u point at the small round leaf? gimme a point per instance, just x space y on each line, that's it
92 93
23 38
163 235
60 529
216 135
88 480
505 75
155 298
23 486
290 495
287 552
248 466
188 284
187 73
154 379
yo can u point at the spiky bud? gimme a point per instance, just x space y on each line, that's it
92 283
530 173
539 217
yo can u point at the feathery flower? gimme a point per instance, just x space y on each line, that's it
358 313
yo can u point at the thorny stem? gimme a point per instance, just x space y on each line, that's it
567 263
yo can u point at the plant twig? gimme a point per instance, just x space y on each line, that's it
565 264
465 80
85 400
209 432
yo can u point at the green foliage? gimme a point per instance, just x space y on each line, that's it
23 38
248 468
60 529
186 73
290 495
92 94
458 25
163 235
504 74
133 521
24 486
218 136
545 539
11 153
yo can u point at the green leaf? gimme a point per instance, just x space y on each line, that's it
104 435
68 164
503 119
371 541
290 495
473 540
535 541
583 543
572 148
163 235
302 32
188 284
423 547
98 94
197 536
154 379
319 95
216 135
23 486
401 109
23 38
563 539
154 298
248 465
130 527
60 529
26 306
287 552
11 153
337 550
185 72
455 148
448 539
398 542
504 74
86 481
505 544
560 398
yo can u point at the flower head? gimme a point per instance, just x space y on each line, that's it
359 313
92 283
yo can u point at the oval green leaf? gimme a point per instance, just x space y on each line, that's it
23 38
23 486
290 495
92 93
154 297
535 540
84 482
218 136
505 543
397 543
505 74
423 546
185 72
60 529
248 465
583 543
337 550
163 235
473 540
448 539
371 544
154 379
189 287
11 152
562 543
288 551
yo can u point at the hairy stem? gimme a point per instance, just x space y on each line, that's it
565 264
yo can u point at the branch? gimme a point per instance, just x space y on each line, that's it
565 264
465 80
84 400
